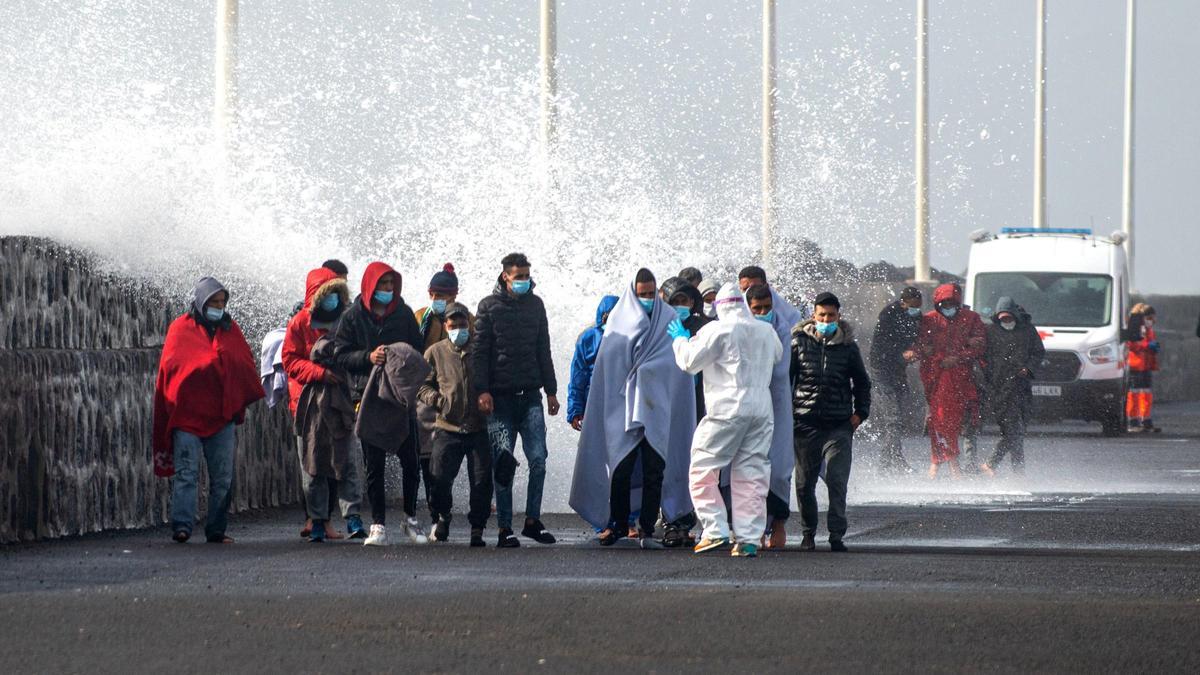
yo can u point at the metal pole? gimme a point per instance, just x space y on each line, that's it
1127 163
1039 122
921 272
770 215
548 51
225 75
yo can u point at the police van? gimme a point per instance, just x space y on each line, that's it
1076 288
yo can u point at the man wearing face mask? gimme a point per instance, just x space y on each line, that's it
708 293
772 308
512 367
831 397
1014 352
460 429
950 339
891 352
379 317
641 415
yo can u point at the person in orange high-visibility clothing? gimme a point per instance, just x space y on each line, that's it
1142 358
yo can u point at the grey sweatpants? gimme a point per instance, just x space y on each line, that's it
316 490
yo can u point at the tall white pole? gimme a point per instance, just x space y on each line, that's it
548 53
1039 122
770 214
921 272
1127 163
225 75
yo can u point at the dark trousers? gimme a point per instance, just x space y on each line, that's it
830 443
1012 438
428 480
893 390
449 449
777 508
653 467
375 460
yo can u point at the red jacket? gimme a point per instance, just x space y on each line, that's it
300 337
1141 357
204 382
964 336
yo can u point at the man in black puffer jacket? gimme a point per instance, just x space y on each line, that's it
512 366
831 396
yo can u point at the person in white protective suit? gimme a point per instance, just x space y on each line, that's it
737 355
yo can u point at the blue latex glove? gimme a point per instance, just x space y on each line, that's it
1153 346
676 330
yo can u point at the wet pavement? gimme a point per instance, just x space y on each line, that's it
1091 562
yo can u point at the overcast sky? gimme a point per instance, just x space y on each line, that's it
661 105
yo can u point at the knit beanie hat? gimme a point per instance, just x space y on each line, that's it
445 281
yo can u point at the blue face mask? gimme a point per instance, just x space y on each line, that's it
383 297
914 311
330 302
438 306
213 314
521 286
768 317
825 329
647 304
459 336
948 312
683 312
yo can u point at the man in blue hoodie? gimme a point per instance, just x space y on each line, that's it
586 349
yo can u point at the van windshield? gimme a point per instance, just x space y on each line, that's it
1052 298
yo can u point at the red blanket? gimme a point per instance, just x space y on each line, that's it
203 384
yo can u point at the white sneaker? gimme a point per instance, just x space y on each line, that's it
412 527
378 536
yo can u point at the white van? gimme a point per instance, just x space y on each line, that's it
1076 288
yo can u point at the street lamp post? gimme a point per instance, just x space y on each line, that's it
225 75
1039 122
1127 159
770 214
921 271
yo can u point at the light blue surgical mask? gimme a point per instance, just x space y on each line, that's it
948 312
647 304
768 317
825 329
914 311
438 306
213 314
683 312
383 297
330 302
459 336
521 286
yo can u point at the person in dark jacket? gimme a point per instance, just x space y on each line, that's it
512 366
584 360
1014 352
379 317
831 397
459 429
891 352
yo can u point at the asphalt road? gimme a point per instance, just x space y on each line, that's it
1090 563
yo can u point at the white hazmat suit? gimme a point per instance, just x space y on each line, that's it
737 355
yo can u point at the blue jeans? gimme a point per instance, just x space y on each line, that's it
218 451
519 414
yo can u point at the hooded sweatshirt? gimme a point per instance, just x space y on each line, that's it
207 377
637 392
303 330
360 330
1008 353
584 359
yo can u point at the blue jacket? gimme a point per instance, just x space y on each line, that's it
586 348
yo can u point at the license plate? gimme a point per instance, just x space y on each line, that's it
1046 390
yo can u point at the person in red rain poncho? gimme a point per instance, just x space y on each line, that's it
326 296
949 340
207 377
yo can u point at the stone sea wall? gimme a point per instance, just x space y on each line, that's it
78 355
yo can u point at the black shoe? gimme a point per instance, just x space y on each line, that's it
477 538
675 537
808 543
611 535
837 546
507 539
441 529
537 532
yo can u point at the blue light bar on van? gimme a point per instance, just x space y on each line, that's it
1087 232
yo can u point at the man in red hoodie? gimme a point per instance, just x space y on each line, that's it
326 297
950 340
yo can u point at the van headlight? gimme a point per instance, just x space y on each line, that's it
1103 354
